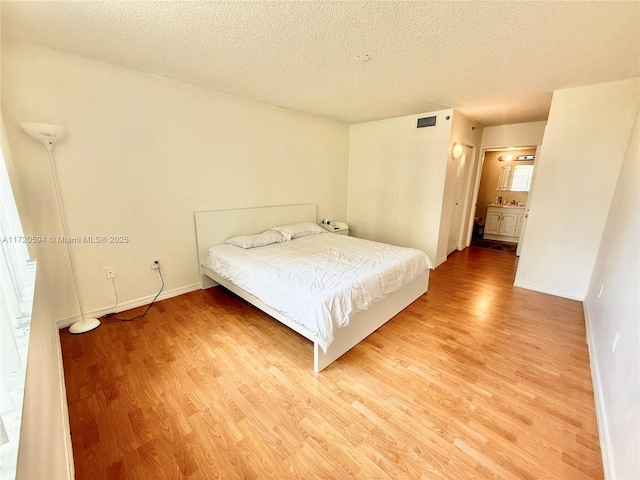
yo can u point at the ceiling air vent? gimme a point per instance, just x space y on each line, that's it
427 122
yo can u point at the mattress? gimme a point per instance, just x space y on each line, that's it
319 281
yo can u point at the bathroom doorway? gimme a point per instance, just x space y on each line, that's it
502 197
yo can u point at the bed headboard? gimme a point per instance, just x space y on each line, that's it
213 227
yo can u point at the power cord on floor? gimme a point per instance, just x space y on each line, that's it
148 306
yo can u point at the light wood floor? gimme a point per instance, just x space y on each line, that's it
476 379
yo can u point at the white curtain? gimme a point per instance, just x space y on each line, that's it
17 275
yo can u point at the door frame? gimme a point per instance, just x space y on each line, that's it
476 189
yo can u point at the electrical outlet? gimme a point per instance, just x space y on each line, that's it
600 292
110 272
155 263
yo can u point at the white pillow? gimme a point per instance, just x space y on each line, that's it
257 240
299 230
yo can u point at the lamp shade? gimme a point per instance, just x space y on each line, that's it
44 132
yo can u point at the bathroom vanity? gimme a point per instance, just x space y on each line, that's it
504 222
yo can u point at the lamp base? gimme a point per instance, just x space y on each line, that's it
84 326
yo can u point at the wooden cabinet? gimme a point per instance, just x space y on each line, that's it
504 223
508 224
492 224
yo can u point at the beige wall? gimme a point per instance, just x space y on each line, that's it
513 135
487 192
616 310
142 154
396 180
576 172
401 179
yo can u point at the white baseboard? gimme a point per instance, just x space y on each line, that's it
439 262
66 427
601 414
64 323
538 288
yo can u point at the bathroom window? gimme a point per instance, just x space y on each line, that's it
515 178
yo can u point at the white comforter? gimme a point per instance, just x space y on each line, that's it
320 281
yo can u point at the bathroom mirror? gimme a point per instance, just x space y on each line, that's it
515 178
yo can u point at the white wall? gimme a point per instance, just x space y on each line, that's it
576 172
142 154
396 180
45 438
513 135
13 176
617 310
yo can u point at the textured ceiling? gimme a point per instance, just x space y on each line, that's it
497 62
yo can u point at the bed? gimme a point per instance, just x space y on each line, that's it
214 227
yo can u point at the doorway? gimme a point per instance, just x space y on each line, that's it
502 198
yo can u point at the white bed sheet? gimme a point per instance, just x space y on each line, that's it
320 281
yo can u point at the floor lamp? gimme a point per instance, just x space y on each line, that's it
48 135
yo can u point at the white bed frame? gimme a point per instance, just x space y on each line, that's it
213 227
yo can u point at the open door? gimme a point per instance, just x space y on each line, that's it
458 227
528 206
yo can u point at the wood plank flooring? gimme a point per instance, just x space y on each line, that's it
476 379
